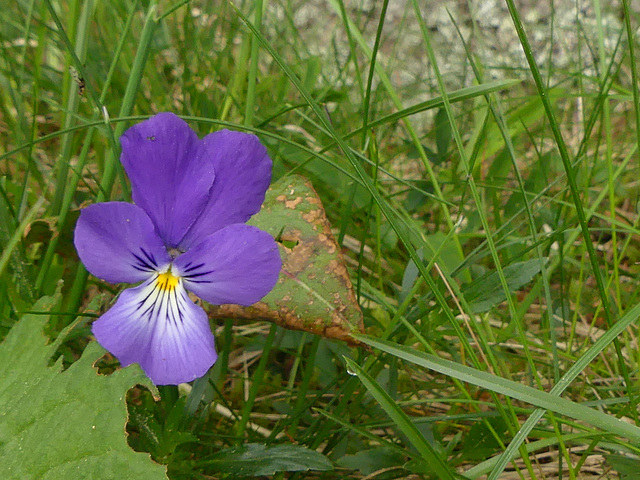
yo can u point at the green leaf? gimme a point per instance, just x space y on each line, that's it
372 460
486 292
625 467
57 424
256 459
480 442
314 292
43 230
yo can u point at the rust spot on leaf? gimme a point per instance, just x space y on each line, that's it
293 203
312 216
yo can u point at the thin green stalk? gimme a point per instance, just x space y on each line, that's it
606 112
632 63
220 369
373 152
253 67
37 72
372 68
17 234
81 39
293 372
256 383
239 76
52 246
303 388
352 47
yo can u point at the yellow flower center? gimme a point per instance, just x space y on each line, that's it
167 281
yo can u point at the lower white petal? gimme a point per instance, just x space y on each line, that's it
159 327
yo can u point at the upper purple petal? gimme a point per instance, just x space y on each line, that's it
117 242
163 331
170 172
243 174
237 264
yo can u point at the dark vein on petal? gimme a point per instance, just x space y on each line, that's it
150 257
143 265
188 268
199 274
155 285
179 310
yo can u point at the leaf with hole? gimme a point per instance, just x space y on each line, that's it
57 424
314 291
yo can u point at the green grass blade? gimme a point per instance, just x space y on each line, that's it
403 422
257 377
372 69
632 62
538 398
485 467
253 68
77 54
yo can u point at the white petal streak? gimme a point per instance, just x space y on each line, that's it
162 305
160 328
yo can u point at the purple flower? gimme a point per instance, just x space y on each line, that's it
186 232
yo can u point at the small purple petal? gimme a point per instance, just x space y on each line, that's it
243 174
237 264
162 330
117 242
170 172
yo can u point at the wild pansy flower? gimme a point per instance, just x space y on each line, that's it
185 232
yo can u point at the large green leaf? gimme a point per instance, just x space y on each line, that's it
57 424
255 459
314 291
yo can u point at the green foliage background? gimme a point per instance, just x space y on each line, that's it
481 183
